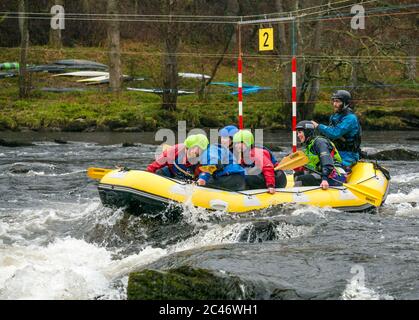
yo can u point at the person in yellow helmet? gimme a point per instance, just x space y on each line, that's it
181 160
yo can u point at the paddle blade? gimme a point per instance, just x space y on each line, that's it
294 160
370 195
97 173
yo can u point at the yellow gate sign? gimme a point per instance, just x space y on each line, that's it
266 39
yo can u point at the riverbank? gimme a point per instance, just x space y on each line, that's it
140 112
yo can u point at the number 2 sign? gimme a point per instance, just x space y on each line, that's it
266 39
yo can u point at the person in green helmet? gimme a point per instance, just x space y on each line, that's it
196 160
181 161
258 162
323 158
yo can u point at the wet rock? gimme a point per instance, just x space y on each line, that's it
259 232
319 265
59 141
14 144
396 154
19 169
284 294
412 139
182 283
128 144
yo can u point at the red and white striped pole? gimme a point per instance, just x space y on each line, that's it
240 78
294 103
240 90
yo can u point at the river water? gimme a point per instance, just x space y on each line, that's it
58 242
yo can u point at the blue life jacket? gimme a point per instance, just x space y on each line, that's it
222 160
344 130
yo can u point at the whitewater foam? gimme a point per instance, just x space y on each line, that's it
67 269
217 234
357 291
399 197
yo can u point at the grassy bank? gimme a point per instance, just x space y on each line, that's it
95 109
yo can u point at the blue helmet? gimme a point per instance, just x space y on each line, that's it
228 131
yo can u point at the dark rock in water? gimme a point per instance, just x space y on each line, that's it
128 144
183 283
259 232
14 144
396 154
19 169
412 139
59 141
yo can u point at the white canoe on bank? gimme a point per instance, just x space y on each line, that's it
193 75
83 74
159 91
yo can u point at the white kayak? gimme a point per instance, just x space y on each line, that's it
193 75
95 79
83 74
159 91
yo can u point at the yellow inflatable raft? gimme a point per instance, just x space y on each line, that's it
142 192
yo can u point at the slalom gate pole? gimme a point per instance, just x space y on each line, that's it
240 80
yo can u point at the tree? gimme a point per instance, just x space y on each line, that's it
231 7
114 47
24 43
55 35
311 78
170 67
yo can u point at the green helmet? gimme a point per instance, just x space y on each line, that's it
197 140
244 136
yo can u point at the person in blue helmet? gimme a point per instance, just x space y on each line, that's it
344 129
219 168
227 133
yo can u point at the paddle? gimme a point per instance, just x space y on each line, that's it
97 173
370 195
294 160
